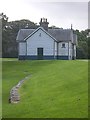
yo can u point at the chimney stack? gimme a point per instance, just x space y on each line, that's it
43 23
71 27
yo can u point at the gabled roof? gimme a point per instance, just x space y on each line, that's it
37 30
23 33
57 34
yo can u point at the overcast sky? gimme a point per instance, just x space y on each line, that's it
58 13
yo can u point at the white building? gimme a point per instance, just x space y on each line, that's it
44 43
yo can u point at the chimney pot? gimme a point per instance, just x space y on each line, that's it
43 23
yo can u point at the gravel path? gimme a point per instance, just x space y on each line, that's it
14 95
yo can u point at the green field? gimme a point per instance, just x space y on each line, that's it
56 89
0 88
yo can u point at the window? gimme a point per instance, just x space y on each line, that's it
63 45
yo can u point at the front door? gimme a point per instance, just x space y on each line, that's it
39 53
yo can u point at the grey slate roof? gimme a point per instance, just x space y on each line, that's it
74 38
61 34
58 34
23 33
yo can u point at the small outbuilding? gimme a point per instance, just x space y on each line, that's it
44 43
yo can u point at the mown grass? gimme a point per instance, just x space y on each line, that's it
0 88
56 89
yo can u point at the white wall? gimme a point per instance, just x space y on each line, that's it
40 39
70 50
75 51
22 48
55 48
62 51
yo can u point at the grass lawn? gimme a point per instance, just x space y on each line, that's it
56 89
0 88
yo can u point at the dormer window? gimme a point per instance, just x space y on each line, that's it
63 45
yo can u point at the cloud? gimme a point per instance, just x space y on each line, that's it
89 15
60 14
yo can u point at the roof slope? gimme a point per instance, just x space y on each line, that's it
58 34
74 38
23 33
61 34
42 30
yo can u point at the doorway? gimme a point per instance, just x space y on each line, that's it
40 53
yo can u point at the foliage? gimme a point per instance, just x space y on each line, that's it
88 47
9 34
53 91
82 44
4 20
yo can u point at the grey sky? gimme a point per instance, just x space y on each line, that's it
60 14
89 15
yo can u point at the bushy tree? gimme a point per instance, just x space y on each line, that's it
82 47
9 34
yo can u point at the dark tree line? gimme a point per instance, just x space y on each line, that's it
10 30
9 34
82 44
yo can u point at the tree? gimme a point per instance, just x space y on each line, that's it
4 20
10 31
82 48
